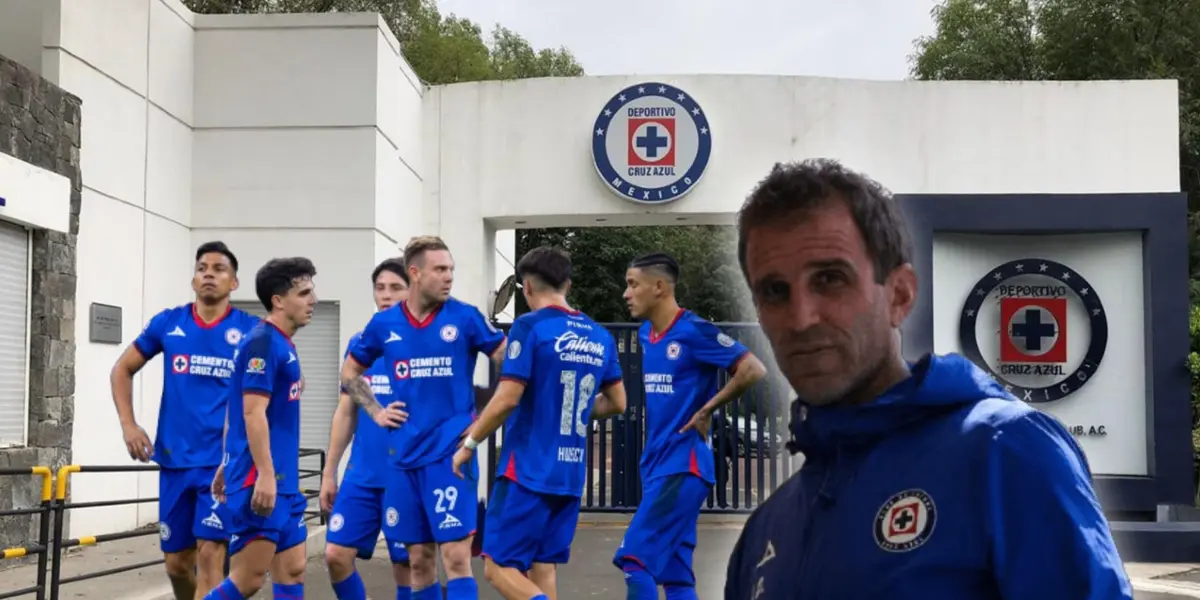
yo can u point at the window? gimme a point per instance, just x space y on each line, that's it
14 334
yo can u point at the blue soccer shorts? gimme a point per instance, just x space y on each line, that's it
357 520
431 504
187 511
284 527
525 527
661 538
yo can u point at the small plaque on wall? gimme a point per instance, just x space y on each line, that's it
104 324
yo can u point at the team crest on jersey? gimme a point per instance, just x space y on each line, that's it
256 365
233 336
401 369
179 363
725 340
514 349
905 521
673 350
336 522
449 333
294 391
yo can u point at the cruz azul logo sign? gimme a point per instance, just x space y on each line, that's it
1037 326
651 143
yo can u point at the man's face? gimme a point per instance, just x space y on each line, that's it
213 278
830 325
390 290
298 304
433 275
642 291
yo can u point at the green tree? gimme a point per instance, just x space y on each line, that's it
1083 40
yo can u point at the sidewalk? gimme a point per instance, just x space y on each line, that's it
590 574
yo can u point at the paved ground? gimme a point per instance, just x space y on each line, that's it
590 575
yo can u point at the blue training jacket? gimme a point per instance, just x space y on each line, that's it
944 488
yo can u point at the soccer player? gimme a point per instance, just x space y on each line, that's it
430 343
259 481
357 508
197 341
557 361
682 356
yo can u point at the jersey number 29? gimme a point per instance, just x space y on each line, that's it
575 401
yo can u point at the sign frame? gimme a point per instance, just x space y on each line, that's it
1162 220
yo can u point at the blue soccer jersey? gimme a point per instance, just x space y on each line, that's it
368 463
266 365
197 365
564 359
681 372
432 367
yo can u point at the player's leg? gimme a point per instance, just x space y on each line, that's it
555 547
676 576
452 512
209 531
353 533
514 533
401 569
404 522
176 513
287 566
252 543
668 510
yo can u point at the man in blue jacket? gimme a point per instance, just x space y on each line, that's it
920 481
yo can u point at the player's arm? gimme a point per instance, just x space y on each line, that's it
361 354
341 431
258 382
147 345
611 400
487 339
504 401
1041 510
716 348
516 369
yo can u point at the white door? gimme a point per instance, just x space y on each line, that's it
14 339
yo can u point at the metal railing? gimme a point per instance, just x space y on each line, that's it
52 510
748 436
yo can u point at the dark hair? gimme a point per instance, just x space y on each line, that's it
279 276
219 248
395 265
418 246
797 187
661 262
551 266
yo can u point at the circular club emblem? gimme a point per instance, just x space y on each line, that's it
392 516
725 340
401 369
179 363
449 333
336 522
164 531
514 349
233 336
1037 326
673 350
905 521
651 143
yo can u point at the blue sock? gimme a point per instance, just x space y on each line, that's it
680 592
433 592
225 591
403 592
350 588
282 591
640 584
463 588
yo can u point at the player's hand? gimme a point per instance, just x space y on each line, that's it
700 423
391 416
328 492
263 501
137 443
461 458
218 484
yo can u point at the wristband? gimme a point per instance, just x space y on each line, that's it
470 443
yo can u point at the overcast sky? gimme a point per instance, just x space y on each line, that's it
867 39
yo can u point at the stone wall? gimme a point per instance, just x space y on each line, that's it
39 124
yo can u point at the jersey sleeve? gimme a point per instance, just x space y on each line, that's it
1035 457
484 337
612 367
150 341
368 347
350 345
518 361
261 366
713 347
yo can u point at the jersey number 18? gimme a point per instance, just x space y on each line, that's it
572 409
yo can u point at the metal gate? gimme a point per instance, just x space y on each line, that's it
748 436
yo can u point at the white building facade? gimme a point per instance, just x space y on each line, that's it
309 135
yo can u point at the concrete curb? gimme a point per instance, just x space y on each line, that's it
1182 589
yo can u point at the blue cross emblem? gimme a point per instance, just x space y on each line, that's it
1033 330
651 141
